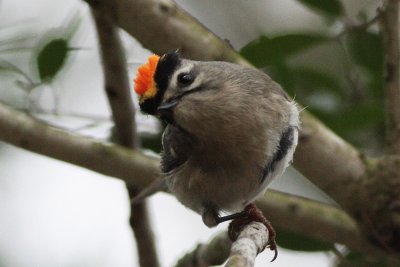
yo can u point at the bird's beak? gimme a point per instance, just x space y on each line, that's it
165 110
168 105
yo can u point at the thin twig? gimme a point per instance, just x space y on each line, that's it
390 31
118 92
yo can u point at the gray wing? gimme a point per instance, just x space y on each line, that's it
177 145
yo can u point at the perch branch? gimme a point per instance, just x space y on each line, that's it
302 215
390 30
215 252
28 133
251 241
119 97
291 213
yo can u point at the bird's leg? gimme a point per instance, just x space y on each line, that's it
250 214
210 215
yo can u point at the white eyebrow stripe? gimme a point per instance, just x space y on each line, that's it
185 69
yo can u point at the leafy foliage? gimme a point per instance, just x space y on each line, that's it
366 50
330 8
265 51
295 241
360 260
51 58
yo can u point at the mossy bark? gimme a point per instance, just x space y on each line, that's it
377 203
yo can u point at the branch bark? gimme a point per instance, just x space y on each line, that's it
313 219
215 252
287 212
161 25
118 92
328 161
390 30
115 76
31 134
251 241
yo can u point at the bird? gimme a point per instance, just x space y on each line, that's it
230 130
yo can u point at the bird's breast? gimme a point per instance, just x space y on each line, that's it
228 187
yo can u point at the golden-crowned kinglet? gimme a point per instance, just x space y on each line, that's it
230 131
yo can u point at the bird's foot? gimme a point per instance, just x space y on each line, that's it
252 214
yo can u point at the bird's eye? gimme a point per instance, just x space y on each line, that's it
185 78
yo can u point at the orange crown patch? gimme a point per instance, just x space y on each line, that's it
145 86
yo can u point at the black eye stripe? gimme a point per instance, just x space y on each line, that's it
165 68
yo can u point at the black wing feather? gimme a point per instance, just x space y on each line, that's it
285 144
177 145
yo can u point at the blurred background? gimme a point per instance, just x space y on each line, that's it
56 214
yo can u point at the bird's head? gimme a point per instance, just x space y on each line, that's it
162 82
208 98
152 80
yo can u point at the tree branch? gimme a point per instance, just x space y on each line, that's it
215 252
118 92
31 134
162 26
328 161
313 219
309 218
251 241
390 30
115 76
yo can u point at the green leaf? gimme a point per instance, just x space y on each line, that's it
364 117
282 74
302 81
299 242
362 260
268 51
51 58
330 8
315 80
366 49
